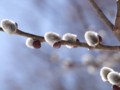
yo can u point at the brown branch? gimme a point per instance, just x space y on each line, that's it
25 34
85 45
21 33
62 42
101 15
116 29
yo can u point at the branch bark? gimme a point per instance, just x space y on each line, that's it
21 33
62 42
85 45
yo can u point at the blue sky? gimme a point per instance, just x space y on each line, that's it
22 68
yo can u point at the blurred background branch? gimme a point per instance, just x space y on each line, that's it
101 14
116 29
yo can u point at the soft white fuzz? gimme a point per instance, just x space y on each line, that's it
8 26
114 78
117 0
104 73
92 38
29 43
70 38
51 38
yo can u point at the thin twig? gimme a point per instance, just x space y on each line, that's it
25 34
21 33
116 29
85 45
62 42
101 14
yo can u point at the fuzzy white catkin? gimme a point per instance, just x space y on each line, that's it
51 38
69 37
29 43
114 78
8 26
92 38
104 72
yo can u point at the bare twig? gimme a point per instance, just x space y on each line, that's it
21 33
116 29
101 15
85 45
62 42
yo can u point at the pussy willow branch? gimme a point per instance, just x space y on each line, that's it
101 14
62 42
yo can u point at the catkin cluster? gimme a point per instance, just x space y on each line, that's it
111 76
53 39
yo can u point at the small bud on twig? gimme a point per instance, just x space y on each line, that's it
70 38
116 87
104 73
92 38
32 43
53 39
114 78
57 44
8 26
